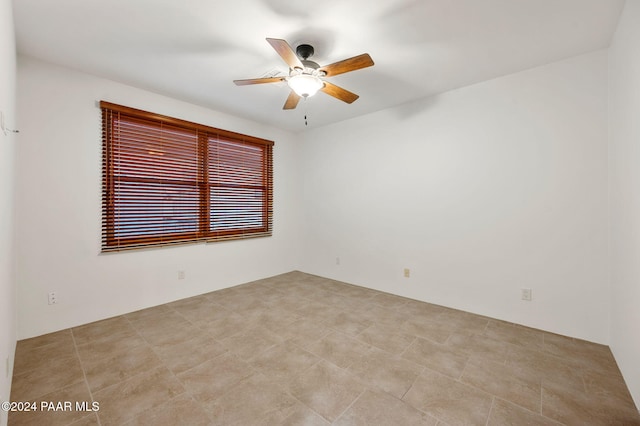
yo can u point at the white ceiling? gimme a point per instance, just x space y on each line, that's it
193 49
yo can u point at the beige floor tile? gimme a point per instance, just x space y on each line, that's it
273 319
251 342
326 296
513 384
384 317
347 323
60 337
51 409
576 408
326 389
211 379
161 320
184 356
317 311
437 357
235 302
381 409
339 349
448 400
119 342
125 400
182 410
283 362
608 387
225 327
104 330
155 313
256 306
250 401
303 415
431 329
59 373
191 302
389 300
90 420
171 334
287 303
550 368
353 304
516 335
504 413
27 359
199 309
480 346
303 332
464 322
421 310
357 292
581 354
387 338
293 292
389 373
120 366
568 346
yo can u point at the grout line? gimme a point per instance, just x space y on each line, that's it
528 410
84 374
412 384
459 379
493 401
350 405
541 395
186 389
415 338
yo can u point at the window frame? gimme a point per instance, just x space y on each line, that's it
206 136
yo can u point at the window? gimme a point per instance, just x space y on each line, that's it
168 181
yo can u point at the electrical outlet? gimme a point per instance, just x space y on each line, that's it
337 260
407 272
181 275
526 294
53 298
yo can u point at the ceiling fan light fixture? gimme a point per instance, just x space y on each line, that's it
307 77
305 85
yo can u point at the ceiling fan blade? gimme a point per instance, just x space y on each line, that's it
339 93
286 52
258 81
292 101
351 64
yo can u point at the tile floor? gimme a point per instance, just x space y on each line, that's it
298 349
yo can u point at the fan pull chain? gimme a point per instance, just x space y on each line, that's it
305 112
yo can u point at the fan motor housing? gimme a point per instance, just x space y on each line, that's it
310 64
305 51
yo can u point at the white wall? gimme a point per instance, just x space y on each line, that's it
480 192
624 190
58 197
7 295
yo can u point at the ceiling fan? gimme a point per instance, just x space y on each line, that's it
307 77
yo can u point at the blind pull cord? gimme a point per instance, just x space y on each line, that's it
305 111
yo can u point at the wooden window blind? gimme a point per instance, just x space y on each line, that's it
168 181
